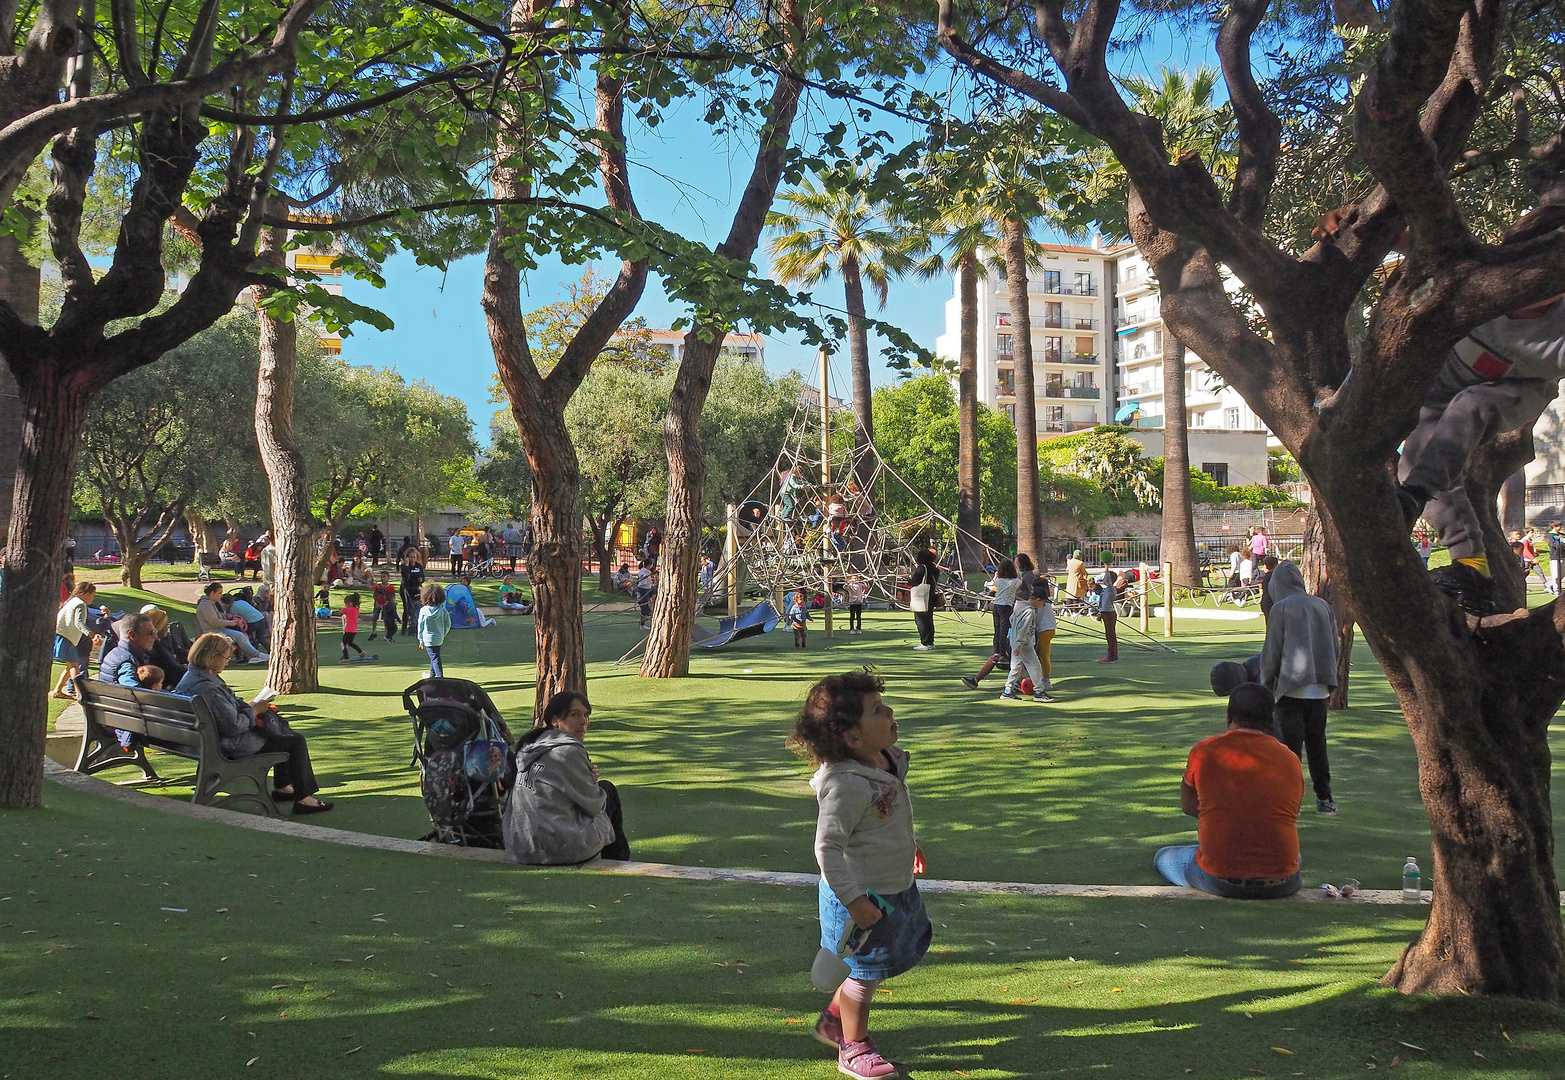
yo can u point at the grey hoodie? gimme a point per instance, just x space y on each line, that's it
556 813
1301 636
864 836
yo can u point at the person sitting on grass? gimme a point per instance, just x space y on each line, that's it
559 811
212 619
510 598
1243 788
243 731
868 855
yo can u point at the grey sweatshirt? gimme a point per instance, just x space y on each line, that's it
1301 636
1507 348
557 812
864 836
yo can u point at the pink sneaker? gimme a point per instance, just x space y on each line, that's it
828 1029
862 1059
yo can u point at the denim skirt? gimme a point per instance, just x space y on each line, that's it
896 943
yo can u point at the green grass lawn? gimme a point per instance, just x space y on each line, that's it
285 957
1084 790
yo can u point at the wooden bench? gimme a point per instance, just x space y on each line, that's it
176 725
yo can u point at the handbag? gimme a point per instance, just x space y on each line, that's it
920 597
484 757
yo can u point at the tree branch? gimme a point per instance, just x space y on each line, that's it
1260 132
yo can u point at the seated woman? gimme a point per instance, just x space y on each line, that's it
358 574
244 732
511 596
228 560
559 811
622 579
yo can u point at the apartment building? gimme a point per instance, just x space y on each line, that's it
1138 357
1070 298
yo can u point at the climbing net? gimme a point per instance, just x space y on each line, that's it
856 522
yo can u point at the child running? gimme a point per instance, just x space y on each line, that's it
799 620
434 623
1005 583
350 626
866 849
384 612
1024 647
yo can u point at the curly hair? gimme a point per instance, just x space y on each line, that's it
834 707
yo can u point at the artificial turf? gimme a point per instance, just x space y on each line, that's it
1083 791
140 944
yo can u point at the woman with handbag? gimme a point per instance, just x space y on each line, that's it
244 731
559 812
921 598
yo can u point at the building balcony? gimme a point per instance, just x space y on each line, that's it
1081 359
1086 393
1149 421
1005 389
1058 427
1134 288
1060 288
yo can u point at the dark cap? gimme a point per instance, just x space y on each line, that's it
1040 590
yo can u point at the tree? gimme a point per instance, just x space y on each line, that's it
1478 694
1110 459
159 438
745 421
917 431
833 227
668 646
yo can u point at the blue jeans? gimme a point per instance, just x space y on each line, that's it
1177 866
435 670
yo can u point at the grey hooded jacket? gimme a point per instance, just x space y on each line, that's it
1301 636
556 814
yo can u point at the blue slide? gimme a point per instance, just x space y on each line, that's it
761 619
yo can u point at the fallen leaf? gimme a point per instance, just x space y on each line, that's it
1476 1054
251 1062
1395 1061
1116 990
1023 1001
1283 1050
355 1050
1410 1046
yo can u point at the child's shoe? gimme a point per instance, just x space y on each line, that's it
1043 695
1009 693
828 1029
863 1059
969 682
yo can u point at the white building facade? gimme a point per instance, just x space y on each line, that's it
1139 342
1070 296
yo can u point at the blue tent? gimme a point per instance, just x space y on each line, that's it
1128 411
465 614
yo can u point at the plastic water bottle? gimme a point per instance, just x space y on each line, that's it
1412 882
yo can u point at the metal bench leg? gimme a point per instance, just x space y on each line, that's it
101 750
215 778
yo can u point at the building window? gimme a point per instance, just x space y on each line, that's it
1132 274
1053 314
1010 412
1003 319
1084 284
1051 281
1002 344
1217 470
1007 381
1198 418
1053 350
1054 414
1231 419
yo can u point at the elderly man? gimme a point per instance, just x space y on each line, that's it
137 635
1243 788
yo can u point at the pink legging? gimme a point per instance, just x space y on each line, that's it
859 990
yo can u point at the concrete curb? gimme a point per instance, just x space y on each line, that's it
298 830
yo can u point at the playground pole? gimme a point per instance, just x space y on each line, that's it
826 474
1146 598
1168 599
732 545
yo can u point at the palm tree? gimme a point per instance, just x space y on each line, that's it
831 227
1191 123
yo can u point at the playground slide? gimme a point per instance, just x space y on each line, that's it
761 619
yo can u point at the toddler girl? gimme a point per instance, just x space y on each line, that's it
799 620
866 850
384 612
350 626
434 623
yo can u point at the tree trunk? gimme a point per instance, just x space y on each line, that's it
54 411
858 353
969 521
1492 469
19 282
1321 562
295 664
132 558
1029 536
1178 542
1513 502
668 646
202 538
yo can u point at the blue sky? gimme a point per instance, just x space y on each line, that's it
683 177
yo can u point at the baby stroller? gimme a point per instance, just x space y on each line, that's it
463 752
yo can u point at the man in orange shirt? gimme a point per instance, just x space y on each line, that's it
1243 788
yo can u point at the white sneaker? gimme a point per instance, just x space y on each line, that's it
258 658
922 648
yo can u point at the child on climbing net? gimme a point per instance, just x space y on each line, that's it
867 853
350 626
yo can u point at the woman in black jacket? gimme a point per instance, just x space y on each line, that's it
412 569
925 572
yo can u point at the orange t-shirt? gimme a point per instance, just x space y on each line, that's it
1248 786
